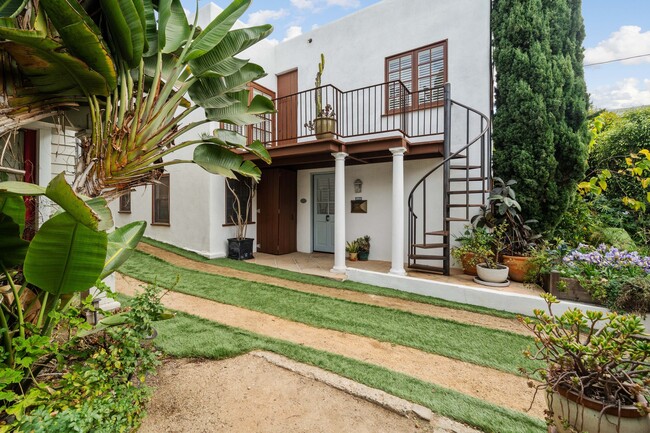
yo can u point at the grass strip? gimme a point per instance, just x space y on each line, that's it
481 346
326 282
189 336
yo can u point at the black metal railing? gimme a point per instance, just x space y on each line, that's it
367 111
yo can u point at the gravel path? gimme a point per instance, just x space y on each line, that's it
500 388
486 321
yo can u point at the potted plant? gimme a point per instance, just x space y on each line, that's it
352 248
240 247
518 237
364 248
475 244
324 124
596 375
490 271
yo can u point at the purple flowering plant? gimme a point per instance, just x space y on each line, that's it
601 269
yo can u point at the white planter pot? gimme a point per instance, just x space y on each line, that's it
499 275
586 417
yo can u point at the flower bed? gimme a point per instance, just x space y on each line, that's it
616 278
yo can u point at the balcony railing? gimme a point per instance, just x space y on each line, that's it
372 112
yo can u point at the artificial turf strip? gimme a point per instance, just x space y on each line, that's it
193 337
326 282
482 346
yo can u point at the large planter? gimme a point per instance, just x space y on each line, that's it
518 265
498 275
584 415
240 249
325 127
363 256
568 289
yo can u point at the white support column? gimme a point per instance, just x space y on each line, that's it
397 265
339 218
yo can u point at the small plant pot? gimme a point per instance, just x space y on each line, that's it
353 257
499 275
585 414
518 265
325 127
363 256
240 249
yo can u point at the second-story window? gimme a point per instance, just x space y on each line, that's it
422 73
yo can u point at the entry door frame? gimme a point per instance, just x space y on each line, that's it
313 211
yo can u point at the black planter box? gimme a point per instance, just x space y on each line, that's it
240 249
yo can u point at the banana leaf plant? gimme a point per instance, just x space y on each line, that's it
69 254
140 70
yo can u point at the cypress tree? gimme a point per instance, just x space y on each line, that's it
541 102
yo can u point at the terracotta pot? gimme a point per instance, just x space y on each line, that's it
352 257
499 275
584 414
325 127
519 266
468 267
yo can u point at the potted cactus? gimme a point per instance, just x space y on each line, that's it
324 124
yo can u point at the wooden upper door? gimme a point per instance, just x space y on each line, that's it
287 106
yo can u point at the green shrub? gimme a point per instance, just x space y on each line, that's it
633 296
614 236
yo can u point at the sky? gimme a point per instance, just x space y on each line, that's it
615 30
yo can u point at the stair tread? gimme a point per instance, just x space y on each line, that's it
437 233
426 257
431 246
464 167
471 191
451 219
427 268
466 205
464 179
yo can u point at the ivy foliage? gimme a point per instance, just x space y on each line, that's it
540 134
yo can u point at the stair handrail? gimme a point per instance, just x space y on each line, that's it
447 144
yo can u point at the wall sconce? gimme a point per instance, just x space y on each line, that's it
357 186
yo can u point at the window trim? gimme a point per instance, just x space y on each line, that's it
415 105
120 208
153 203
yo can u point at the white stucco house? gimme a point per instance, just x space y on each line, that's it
385 78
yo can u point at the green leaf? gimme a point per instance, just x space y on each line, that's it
21 188
48 64
217 29
241 113
99 205
14 207
60 192
173 29
11 8
126 27
81 36
151 29
209 92
65 256
258 149
234 42
219 160
12 248
121 244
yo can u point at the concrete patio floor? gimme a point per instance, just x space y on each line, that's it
320 264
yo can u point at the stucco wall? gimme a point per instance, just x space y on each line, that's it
377 189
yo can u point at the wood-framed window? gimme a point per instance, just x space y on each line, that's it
161 201
263 131
125 203
244 190
422 72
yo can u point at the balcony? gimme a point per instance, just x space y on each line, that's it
363 122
